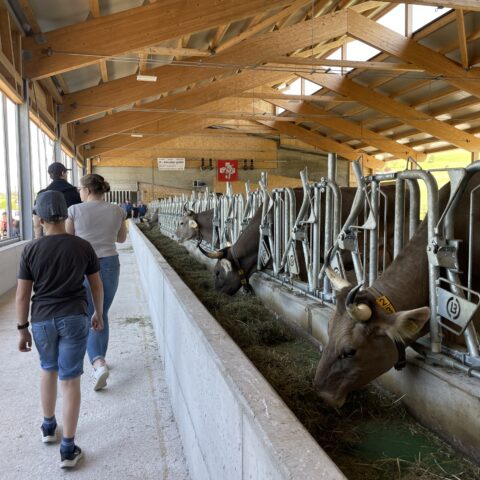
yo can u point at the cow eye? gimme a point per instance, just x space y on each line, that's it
347 353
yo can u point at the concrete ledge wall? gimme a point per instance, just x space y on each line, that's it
233 425
9 260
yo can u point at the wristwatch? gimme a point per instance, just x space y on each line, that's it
22 327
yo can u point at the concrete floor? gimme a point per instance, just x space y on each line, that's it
127 431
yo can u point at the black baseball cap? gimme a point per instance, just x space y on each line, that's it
56 169
51 205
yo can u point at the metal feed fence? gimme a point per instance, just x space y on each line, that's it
299 226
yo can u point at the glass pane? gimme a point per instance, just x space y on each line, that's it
394 19
3 175
310 88
13 162
422 14
41 157
295 88
360 51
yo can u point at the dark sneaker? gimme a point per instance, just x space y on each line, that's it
49 435
70 459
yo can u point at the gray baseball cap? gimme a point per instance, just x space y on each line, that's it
51 205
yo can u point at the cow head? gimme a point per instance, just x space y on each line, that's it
187 227
227 279
362 341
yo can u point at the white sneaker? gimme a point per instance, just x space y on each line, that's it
101 375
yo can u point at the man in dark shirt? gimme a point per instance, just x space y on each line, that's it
54 266
58 174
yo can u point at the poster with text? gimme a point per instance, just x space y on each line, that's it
227 170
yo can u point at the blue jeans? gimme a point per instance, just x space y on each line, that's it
110 273
61 344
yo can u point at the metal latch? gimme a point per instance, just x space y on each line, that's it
455 308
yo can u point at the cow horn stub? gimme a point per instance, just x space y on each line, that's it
337 281
217 254
360 312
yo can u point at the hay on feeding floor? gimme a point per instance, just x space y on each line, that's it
288 363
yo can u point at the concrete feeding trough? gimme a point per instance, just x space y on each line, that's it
446 401
233 424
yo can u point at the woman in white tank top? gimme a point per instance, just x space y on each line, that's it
102 224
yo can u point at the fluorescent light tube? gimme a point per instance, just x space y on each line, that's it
147 78
137 135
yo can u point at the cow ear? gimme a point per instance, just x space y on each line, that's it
407 324
192 224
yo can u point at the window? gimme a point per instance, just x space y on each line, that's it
41 152
394 19
9 181
67 160
422 14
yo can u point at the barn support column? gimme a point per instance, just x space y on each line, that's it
57 148
26 196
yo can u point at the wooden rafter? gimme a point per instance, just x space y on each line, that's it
395 44
368 65
176 51
218 37
272 94
130 30
126 90
472 5
122 121
168 123
350 128
462 39
407 115
324 143
261 25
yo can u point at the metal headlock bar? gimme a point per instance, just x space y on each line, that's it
298 227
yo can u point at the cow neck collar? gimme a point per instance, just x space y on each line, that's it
387 306
247 288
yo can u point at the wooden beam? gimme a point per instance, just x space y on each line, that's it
127 90
368 65
274 95
169 123
462 39
176 52
29 15
190 146
389 41
351 129
323 143
131 30
6 35
472 5
407 115
94 8
262 25
219 34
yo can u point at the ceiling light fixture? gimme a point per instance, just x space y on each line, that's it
147 78
137 135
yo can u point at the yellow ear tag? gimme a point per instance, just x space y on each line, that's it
385 304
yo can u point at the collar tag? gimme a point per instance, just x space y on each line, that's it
385 304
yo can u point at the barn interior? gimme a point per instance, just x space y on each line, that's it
157 96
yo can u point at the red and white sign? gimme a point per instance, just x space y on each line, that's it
227 170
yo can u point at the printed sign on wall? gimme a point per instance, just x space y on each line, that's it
227 170
171 163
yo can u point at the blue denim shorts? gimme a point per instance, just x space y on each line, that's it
61 343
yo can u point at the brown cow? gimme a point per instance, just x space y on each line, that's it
363 336
244 252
